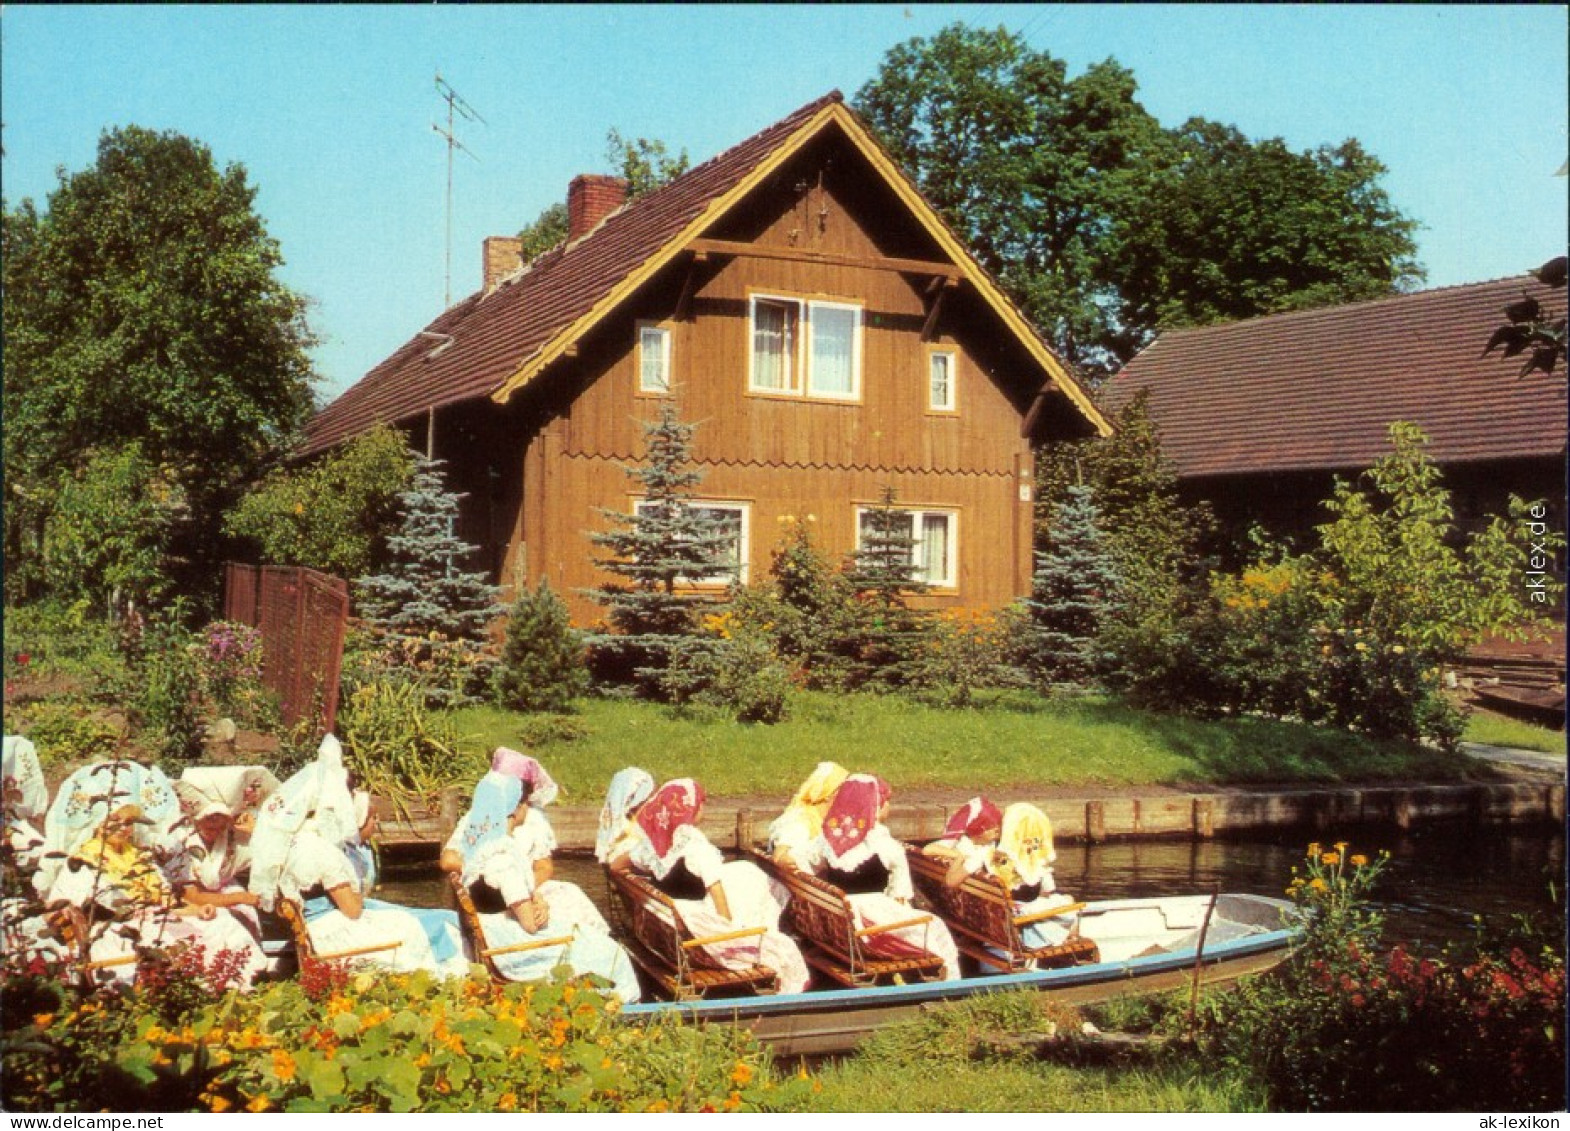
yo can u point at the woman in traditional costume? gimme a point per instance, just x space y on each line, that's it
630 788
514 905
221 803
712 896
299 852
967 839
25 799
794 829
1023 861
857 854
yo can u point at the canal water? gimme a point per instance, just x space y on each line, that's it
1439 877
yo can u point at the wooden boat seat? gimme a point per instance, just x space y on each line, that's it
668 953
822 919
985 925
472 930
305 950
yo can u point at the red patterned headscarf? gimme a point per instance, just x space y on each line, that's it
854 812
674 804
974 819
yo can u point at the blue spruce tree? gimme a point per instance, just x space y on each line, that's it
1073 593
659 550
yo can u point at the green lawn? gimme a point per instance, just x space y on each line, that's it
1029 742
1497 730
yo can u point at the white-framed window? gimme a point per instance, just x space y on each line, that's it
933 555
804 348
654 358
735 520
941 372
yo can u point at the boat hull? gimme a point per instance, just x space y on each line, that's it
824 1022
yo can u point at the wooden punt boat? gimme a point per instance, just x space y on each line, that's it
1146 946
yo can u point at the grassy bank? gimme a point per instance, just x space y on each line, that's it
1029 741
1497 730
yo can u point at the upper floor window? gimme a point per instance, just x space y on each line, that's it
933 560
805 347
940 380
654 359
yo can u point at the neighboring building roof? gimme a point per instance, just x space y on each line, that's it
1318 389
492 344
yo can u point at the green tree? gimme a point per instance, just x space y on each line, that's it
660 549
542 666
888 633
548 230
1100 223
145 306
643 163
1073 595
334 515
1231 229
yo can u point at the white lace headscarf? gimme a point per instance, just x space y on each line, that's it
629 788
21 772
232 791
315 801
90 794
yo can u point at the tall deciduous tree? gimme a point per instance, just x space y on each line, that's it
144 307
1059 185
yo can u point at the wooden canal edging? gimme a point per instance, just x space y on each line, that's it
1197 816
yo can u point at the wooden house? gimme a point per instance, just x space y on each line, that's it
1259 417
806 307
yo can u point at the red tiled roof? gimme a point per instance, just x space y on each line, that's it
493 335
1317 389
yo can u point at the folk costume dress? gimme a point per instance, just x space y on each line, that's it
126 893
671 849
629 789
299 852
801 822
25 798
857 854
969 834
219 867
439 924
499 875
1023 861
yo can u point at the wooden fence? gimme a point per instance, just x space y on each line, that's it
302 615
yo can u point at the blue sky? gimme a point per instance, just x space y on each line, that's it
330 109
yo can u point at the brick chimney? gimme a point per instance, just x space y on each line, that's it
590 198
502 256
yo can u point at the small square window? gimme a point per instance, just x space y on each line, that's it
654 359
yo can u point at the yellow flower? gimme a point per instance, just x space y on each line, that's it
283 1065
1313 849
507 1101
1359 861
1360 646
732 1101
1318 885
1331 858
259 1104
1399 650
218 1103
42 1019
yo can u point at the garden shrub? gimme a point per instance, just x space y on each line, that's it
1073 595
66 731
169 704
1343 1027
542 662
735 670
398 747
885 634
550 730
377 1042
965 656
229 664
806 608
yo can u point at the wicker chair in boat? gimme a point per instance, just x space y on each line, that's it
821 917
668 953
305 951
472 930
985 926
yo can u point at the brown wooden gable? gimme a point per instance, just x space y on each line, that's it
498 343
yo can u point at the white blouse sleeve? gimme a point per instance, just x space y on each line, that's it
534 836
703 860
314 862
507 870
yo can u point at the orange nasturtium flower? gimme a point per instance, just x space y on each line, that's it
742 1074
283 1064
1331 858
1359 861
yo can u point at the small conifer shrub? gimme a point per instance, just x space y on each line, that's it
542 663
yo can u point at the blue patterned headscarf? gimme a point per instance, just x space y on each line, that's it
486 823
629 788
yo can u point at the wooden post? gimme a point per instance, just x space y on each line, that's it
743 830
1204 818
1403 812
1095 822
451 811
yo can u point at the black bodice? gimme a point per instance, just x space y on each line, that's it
871 875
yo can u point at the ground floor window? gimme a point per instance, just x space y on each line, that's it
933 533
734 521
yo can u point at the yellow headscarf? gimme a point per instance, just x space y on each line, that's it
1025 853
130 868
811 802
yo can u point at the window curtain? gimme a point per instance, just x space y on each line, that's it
833 351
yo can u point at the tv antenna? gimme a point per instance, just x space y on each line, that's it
456 108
